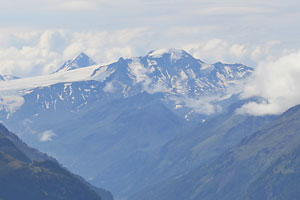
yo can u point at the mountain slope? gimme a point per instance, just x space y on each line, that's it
205 141
279 181
82 60
256 169
30 153
112 135
175 73
22 178
188 85
123 113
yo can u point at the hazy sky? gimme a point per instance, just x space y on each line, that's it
36 36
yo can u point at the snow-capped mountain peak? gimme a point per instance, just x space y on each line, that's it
82 60
174 54
173 74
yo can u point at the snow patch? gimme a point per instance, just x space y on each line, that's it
20 86
176 54
206 67
138 70
228 71
101 73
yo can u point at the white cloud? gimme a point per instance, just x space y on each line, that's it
276 81
263 51
217 49
27 53
42 52
238 50
204 106
213 49
47 136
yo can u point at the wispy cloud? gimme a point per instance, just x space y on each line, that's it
47 136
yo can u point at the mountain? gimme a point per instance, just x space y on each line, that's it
82 60
205 141
31 153
265 165
119 116
21 177
184 81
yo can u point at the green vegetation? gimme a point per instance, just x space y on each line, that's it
22 178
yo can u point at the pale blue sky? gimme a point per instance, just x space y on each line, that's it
37 36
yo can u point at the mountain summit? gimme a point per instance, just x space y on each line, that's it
174 54
82 60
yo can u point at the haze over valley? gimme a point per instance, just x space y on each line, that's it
149 100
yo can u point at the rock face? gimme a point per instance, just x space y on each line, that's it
25 173
265 165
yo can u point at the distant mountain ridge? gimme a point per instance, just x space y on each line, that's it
123 113
160 126
175 73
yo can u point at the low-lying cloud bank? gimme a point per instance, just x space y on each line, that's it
26 53
278 82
